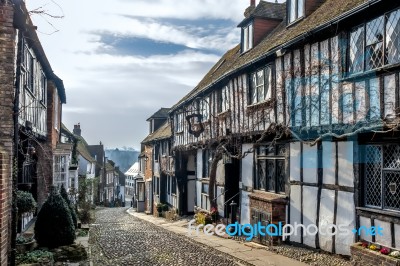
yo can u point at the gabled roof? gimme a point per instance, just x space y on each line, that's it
233 61
162 113
82 148
266 10
133 170
163 132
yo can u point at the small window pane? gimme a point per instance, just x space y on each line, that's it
300 8
357 50
374 97
271 175
261 174
374 32
292 10
373 166
393 37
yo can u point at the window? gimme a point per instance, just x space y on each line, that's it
29 71
56 111
141 191
205 108
261 85
60 170
173 185
179 123
204 196
223 103
375 43
43 90
247 37
207 161
270 169
382 177
296 10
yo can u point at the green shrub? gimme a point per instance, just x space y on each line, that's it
84 213
64 194
25 202
36 256
54 226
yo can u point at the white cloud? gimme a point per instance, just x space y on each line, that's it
112 95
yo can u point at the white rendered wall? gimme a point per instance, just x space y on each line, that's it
345 216
326 216
295 161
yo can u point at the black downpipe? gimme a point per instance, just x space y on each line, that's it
14 208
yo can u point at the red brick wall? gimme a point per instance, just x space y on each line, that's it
270 203
7 49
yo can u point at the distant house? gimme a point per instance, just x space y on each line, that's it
146 159
130 181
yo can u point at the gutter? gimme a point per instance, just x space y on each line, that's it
286 45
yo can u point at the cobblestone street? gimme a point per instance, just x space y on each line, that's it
117 238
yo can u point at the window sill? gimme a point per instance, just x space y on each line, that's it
294 22
260 105
179 132
372 73
224 113
388 215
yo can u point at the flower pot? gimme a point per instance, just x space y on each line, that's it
25 247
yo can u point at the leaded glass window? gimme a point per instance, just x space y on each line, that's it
393 37
261 85
375 43
382 177
270 174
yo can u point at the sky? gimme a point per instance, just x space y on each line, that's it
122 60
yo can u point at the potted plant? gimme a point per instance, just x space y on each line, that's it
24 244
25 204
159 209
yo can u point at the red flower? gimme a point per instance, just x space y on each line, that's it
385 251
364 244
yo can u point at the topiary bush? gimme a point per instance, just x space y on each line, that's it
64 194
25 202
54 226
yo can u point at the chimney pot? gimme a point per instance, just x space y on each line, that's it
77 129
252 2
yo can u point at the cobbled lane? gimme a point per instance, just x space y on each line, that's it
117 238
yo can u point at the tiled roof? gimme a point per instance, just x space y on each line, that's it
163 132
233 60
133 170
162 113
82 148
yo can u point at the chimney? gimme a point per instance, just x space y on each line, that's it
250 9
77 129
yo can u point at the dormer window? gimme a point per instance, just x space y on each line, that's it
296 10
247 37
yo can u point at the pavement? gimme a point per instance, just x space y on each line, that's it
250 252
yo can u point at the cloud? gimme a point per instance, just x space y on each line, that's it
122 61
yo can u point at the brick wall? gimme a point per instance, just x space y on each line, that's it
7 49
273 204
364 257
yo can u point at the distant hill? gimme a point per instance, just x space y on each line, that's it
124 158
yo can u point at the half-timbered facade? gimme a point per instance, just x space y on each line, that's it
298 123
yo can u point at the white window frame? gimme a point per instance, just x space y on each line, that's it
248 36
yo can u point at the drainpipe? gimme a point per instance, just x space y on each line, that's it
14 209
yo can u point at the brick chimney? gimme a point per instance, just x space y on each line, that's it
250 9
77 129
